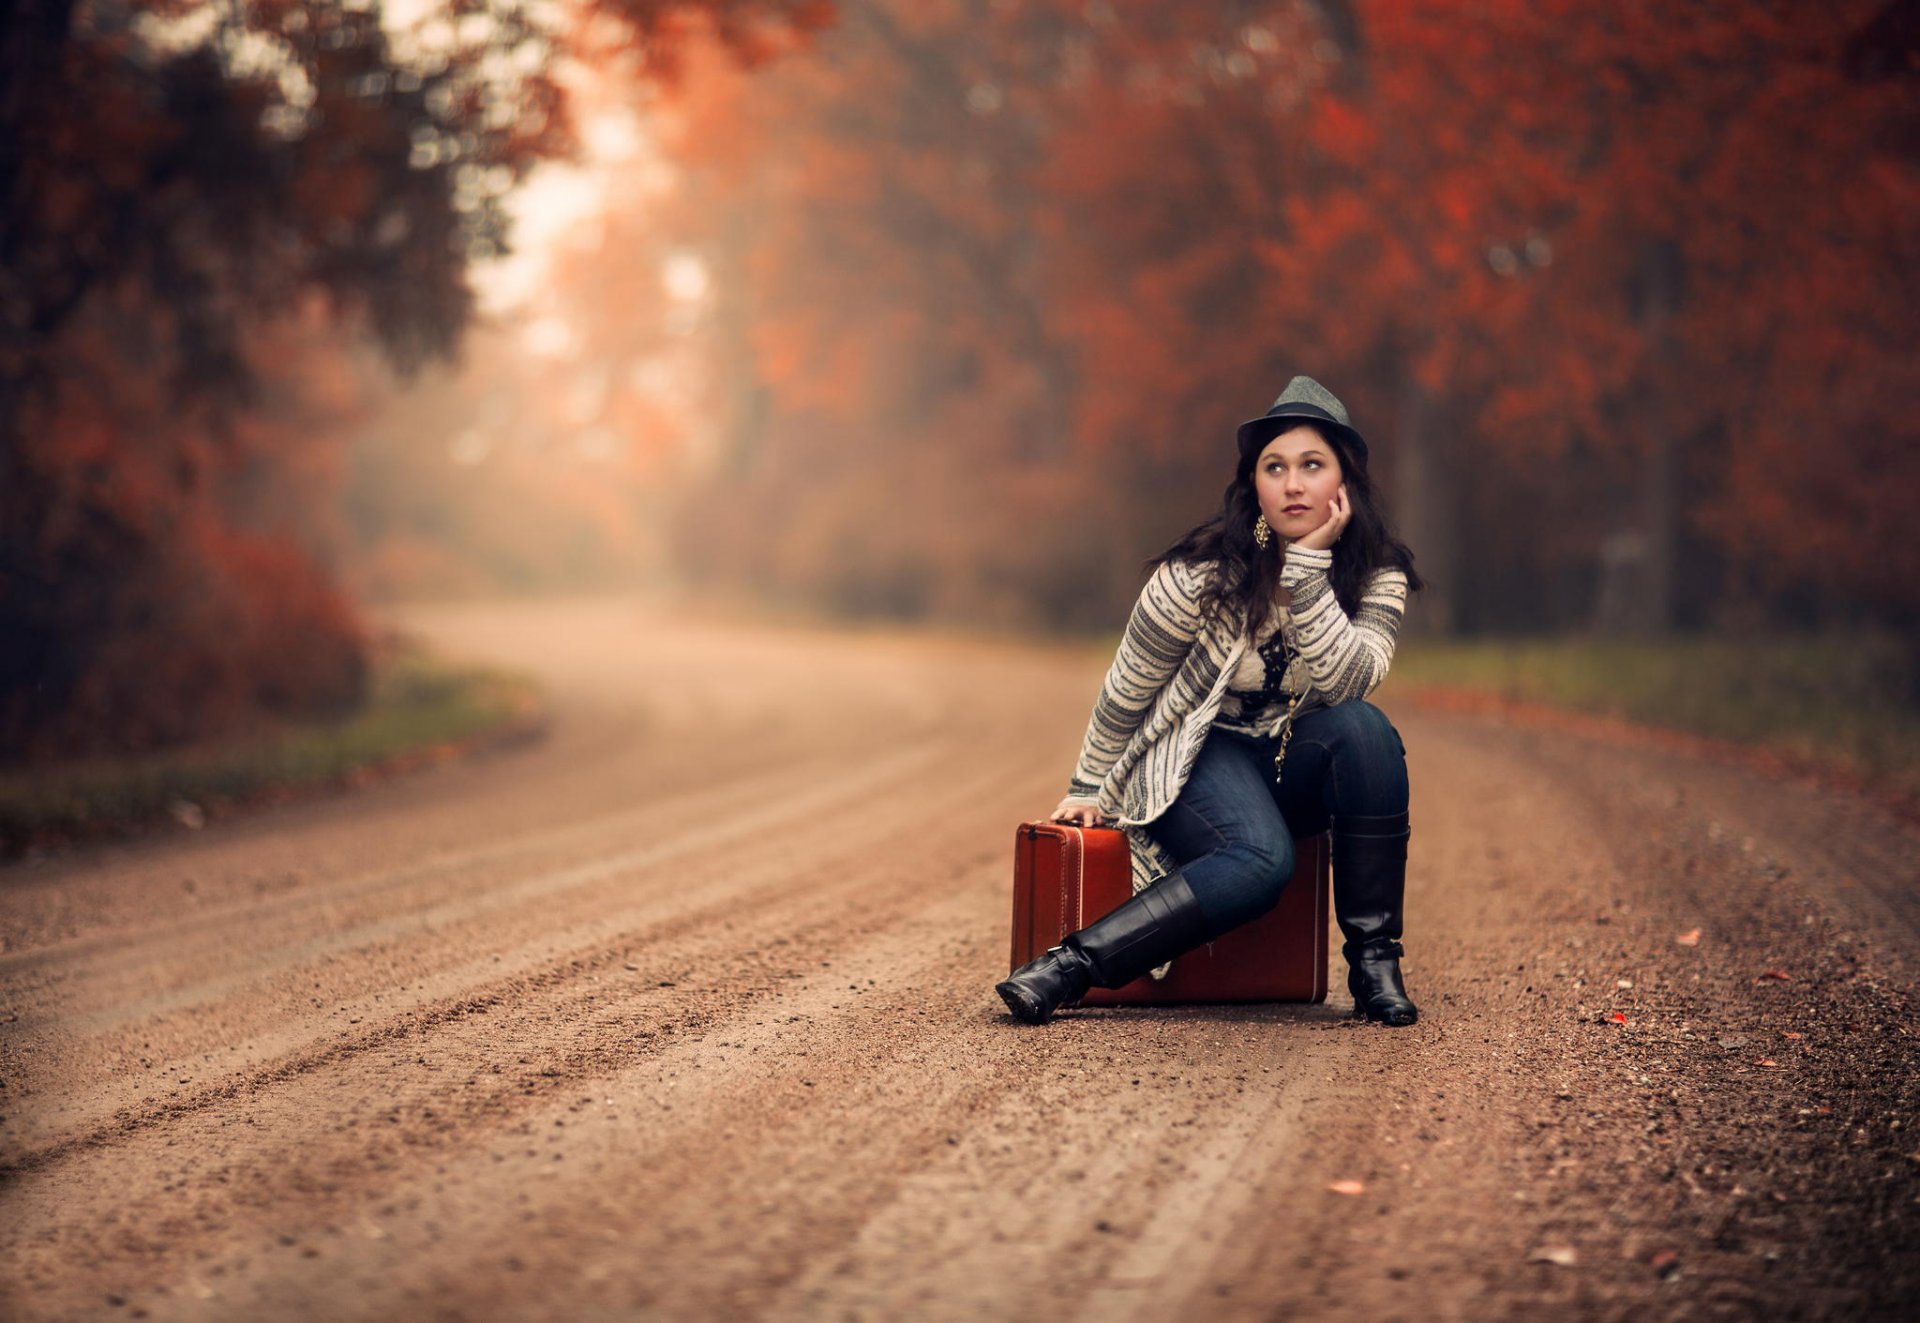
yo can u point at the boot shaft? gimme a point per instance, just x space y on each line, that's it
1152 928
1370 877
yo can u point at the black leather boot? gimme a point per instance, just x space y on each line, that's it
1152 928
1369 893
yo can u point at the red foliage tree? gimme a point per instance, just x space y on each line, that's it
200 206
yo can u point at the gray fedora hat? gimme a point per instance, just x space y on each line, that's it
1304 400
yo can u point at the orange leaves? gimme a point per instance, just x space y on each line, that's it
1344 131
832 374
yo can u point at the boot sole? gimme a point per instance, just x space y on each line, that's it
1374 1018
1360 1007
1030 1012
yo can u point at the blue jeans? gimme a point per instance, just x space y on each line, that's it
1231 828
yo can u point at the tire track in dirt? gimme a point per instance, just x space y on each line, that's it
699 944
445 874
631 908
436 897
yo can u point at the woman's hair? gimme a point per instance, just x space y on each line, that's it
1246 576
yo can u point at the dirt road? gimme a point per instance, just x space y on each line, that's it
686 1013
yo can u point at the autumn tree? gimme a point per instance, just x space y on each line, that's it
1655 245
199 204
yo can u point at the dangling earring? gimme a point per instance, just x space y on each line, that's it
1261 532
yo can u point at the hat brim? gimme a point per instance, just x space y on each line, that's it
1256 432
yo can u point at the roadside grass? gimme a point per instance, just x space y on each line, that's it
421 711
1846 704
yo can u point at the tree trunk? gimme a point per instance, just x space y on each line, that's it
1648 609
1425 509
746 405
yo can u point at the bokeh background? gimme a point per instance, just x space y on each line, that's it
930 310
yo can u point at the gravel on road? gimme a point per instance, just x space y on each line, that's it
687 1013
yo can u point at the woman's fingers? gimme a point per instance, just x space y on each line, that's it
1084 815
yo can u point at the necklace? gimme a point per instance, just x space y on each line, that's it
1286 733
1276 654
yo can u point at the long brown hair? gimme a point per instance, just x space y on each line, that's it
1246 576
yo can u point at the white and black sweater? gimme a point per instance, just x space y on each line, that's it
1173 669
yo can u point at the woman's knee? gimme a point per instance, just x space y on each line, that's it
1358 719
1242 879
1358 729
1369 772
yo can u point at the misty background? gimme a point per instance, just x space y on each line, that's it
928 312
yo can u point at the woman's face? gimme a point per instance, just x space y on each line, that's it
1295 479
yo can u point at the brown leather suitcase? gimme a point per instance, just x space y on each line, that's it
1065 877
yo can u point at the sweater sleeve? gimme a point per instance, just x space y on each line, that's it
1159 633
1345 657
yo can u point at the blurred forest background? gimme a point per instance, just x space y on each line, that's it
926 309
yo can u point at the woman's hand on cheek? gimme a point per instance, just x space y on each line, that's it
1338 513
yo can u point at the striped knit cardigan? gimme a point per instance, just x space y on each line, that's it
1163 691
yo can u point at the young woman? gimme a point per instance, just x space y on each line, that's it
1234 716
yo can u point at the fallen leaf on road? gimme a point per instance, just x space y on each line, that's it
1347 1187
1560 1254
1766 1061
1689 938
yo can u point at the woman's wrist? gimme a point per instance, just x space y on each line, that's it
1302 563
